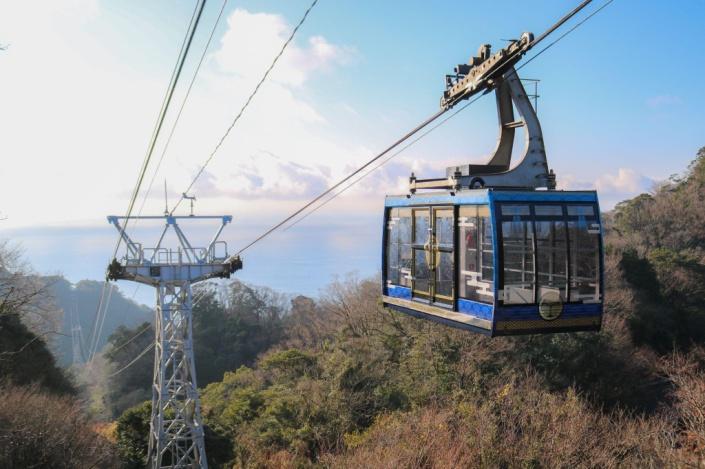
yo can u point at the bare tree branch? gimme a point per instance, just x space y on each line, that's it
36 337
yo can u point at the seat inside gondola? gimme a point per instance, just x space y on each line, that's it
490 248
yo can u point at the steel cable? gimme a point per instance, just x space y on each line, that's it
183 103
247 103
176 73
134 360
342 181
383 162
398 142
408 135
160 120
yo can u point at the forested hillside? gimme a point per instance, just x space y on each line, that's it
42 424
230 328
77 303
350 384
339 381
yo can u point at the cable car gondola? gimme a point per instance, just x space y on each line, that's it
492 248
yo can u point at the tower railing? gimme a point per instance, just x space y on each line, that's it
217 253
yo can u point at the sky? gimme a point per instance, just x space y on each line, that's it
81 83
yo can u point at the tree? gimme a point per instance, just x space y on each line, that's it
26 316
24 294
132 433
660 243
234 331
227 332
128 380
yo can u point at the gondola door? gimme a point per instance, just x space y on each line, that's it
421 253
442 288
432 254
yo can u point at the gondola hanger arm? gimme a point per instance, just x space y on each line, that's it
483 72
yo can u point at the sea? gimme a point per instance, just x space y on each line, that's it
303 259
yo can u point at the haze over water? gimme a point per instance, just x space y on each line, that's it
301 260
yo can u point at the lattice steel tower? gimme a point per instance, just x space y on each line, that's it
176 429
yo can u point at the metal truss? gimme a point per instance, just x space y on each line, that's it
176 436
176 431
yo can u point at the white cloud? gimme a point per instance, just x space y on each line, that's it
253 39
77 117
625 181
265 175
663 100
611 188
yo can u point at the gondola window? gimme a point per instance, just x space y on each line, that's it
518 254
584 234
476 253
399 247
551 256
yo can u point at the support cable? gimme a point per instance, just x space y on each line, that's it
247 103
183 103
134 360
559 38
93 346
131 339
97 315
384 161
415 130
342 181
176 73
560 22
160 119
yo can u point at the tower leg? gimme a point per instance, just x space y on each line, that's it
176 429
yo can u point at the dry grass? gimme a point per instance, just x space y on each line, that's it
38 430
518 425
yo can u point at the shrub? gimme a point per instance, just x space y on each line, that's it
519 424
43 430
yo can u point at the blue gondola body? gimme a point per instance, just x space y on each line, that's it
496 261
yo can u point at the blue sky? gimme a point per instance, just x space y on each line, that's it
83 81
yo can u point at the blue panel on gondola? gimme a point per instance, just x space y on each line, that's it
398 292
473 197
543 196
474 308
522 313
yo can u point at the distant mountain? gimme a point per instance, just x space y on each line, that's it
79 302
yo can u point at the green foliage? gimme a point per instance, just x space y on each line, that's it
132 383
227 333
291 363
612 374
27 323
281 407
629 214
25 358
661 241
641 275
232 333
132 433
